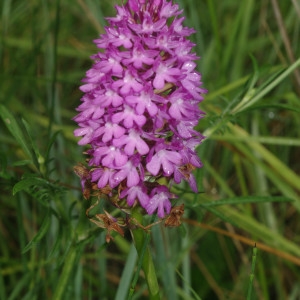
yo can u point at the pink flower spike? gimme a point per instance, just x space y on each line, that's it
140 106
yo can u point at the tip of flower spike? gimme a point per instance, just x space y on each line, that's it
134 5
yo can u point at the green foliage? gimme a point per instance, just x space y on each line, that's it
249 294
21 134
249 185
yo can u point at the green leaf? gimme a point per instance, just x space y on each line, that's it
246 199
3 293
18 133
50 144
27 182
128 271
22 163
59 237
271 140
219 214
19 286
248 89
14 128
3 166
66 273
197 297
33 147
164 262
268 106
266 88
250 286
41 233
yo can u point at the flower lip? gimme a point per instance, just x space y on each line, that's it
159 201
131 143
137 192
165 159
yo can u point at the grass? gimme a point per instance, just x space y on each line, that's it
249 185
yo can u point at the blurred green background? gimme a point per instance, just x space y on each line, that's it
249 185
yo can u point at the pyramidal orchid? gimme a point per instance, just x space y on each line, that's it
140 106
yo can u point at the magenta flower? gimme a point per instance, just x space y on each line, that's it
166 160
141 104
160 201
132 142
137 192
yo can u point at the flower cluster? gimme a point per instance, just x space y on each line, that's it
141 104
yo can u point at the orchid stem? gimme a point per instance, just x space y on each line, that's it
141 241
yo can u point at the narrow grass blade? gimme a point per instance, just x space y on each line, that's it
197 297
250 287
165 262
41 233
268 88
18 133
139 266
247 199
66 273
127 273
20 286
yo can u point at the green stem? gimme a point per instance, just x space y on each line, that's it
66 274
141 240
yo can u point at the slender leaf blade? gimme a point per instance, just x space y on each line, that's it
247 199
41 233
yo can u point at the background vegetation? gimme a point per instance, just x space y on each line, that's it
249 185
